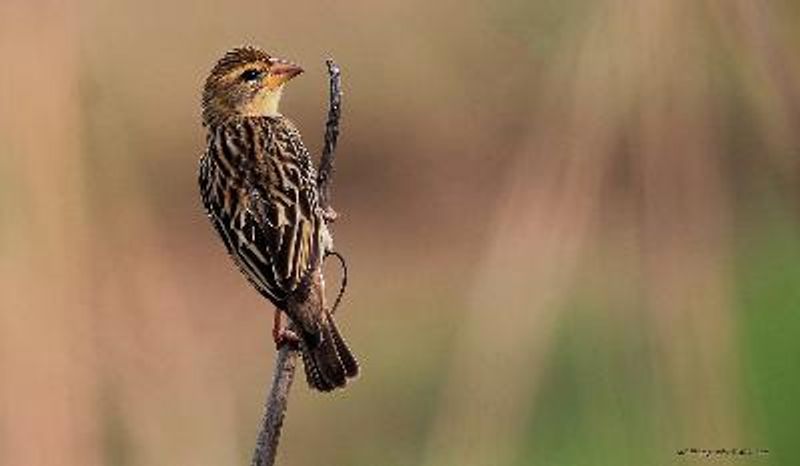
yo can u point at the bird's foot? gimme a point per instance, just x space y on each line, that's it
288 338
283 336
329 215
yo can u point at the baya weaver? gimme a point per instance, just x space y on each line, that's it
259 188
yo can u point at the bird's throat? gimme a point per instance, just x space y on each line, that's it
265 103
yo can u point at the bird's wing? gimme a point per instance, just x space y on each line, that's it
279 238
260 192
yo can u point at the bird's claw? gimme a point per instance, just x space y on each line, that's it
285 337
329 215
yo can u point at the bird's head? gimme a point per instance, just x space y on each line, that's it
245 82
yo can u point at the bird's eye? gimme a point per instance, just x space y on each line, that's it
250 75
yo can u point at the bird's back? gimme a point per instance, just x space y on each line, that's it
259 188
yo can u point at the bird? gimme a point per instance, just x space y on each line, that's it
258 185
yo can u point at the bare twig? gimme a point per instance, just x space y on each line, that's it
286 362
331 137
275 408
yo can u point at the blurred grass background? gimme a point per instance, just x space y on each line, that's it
572 229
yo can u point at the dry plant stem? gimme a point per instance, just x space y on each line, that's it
275 408
331 136
286 362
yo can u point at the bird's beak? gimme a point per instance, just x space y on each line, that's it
281 72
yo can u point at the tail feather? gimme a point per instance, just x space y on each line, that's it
313 376
345 355
329 363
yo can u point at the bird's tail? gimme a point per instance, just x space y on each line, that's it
329 361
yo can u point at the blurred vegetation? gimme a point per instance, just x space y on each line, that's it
572 229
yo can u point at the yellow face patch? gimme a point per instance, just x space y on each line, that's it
274 81
265 103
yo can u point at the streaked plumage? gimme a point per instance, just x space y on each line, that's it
259 188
